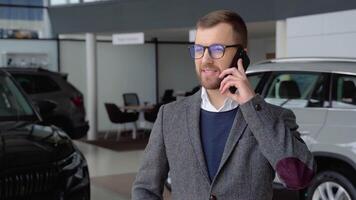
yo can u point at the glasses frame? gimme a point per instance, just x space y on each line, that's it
208 47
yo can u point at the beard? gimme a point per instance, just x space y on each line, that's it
211 83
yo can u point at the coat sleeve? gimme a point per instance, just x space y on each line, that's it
153 171
280 142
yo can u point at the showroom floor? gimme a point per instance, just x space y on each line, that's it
111 172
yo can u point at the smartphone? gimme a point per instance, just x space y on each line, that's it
240 53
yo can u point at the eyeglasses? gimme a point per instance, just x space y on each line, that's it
216 51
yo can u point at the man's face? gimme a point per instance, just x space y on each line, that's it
207 68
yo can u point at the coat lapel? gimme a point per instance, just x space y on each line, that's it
193 119
237 129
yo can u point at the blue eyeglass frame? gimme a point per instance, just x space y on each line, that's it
193 47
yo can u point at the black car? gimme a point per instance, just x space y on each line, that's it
68 111
36 161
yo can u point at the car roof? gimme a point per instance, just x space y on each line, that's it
314 64
2 72
33 69
26 69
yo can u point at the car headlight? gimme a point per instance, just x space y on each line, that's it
73 162
74 168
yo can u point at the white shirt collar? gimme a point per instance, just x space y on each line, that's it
229 104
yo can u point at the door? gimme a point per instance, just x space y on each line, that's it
339 133
306 94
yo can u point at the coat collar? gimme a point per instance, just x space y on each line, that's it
193 130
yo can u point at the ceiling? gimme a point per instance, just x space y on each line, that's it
255 30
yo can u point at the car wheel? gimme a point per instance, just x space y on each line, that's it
330 185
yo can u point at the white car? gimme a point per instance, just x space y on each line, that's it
322 94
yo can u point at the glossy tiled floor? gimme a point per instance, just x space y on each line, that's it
111 172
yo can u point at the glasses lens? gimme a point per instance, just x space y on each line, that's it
196 51
216 50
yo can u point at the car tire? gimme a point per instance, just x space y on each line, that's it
330 184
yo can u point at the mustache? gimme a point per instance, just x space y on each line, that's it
210 67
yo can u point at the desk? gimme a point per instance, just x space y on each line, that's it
140 109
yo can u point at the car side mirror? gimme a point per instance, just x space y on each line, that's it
45 107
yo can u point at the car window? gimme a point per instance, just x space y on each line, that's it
254 79
35 84
344 91
45 84
26 82
296 89
12 102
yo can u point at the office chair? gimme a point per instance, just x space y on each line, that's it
116 116
131 99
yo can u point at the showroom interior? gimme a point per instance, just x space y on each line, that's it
133 56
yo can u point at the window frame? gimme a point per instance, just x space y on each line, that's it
333 85
260 85
325 101
34 82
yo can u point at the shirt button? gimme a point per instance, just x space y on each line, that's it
212 197
258 107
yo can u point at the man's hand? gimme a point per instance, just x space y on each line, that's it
236 77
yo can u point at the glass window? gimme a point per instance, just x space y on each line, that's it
45 84
26 82
12 102
344 91
254 79
58 2
296 89
36 84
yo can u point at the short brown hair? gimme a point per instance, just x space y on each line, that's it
225 16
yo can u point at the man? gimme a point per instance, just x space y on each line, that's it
217 144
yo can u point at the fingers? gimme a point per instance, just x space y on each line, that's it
227 79
231 71
240 66
239 71
227 85
228 82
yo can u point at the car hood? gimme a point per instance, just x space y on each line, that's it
32 144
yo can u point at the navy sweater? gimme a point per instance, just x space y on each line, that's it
215 128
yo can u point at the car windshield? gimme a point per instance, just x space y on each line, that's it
13 105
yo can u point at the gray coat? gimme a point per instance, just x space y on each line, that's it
263 140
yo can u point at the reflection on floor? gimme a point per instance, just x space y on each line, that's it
111 172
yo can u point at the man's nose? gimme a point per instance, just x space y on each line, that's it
206 57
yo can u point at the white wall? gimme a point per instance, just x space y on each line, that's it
131 68
259 47
31 46
176 68
121 69
329 34
281 38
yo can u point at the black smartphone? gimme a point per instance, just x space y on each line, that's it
240 53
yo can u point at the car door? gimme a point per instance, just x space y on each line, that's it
306 94
339 135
